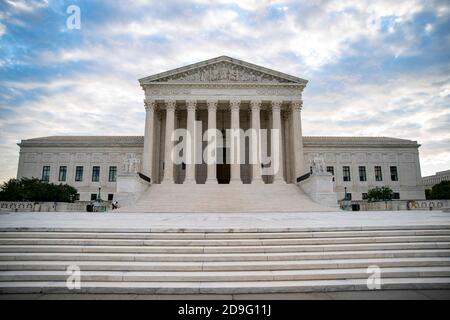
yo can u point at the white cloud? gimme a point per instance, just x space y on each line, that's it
2 29
27 5
301 41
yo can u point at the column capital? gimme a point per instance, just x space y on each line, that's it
212 105
297 105
234 105
191 105
255 105
276 105
170 105
150 104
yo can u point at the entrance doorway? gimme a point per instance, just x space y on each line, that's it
223 168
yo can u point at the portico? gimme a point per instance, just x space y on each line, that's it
222 94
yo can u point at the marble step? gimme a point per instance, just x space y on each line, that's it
227 230
223 287
246 198
223 249
62 256
206 235
186 276
224 265
221 242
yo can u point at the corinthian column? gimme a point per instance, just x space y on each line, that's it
168 149
277 145
256 142
287 146
297 138
235 144
147 157
212 110
190 159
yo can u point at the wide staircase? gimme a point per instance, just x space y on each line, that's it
224 261
202 198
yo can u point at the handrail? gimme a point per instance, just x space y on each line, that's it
144 177
303 177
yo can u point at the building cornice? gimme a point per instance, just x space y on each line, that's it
138 141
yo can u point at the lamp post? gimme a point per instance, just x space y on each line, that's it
99 197
345 202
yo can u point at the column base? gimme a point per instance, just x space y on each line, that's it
236 181
279 181
211 181
258 181
190 181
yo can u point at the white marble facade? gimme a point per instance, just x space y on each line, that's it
223 93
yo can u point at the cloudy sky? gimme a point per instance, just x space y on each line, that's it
376 68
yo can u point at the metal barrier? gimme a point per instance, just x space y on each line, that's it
303 177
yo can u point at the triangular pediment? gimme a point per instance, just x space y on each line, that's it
222 70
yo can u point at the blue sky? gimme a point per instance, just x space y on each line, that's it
376 68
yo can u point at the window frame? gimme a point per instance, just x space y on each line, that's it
79 170
95 174
62 172
45 173
346 169
394 173
114 172
379 177
362 170
330 171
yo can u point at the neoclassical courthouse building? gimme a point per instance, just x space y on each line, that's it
223 93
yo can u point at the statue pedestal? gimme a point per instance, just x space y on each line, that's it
129 187
319 187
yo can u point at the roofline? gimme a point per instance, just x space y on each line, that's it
147 80
137 141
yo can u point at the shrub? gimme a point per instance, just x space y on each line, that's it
36 190
440 191
380 194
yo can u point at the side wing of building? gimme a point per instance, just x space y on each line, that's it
83 162
357 163
362 163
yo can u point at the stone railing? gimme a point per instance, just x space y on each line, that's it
13 206
428 204
395 205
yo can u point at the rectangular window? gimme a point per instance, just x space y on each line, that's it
79 174
378 174
95 174
349 196
364 196
112 174
362 173
394 173
110 196
77 197
62 173
93 196
396 196
346 173
46 173
330 170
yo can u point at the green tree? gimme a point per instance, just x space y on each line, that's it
380 194
36 190
440 191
